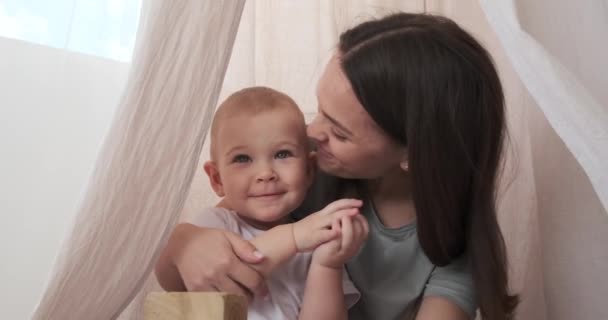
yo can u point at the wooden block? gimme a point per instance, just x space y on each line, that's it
194 306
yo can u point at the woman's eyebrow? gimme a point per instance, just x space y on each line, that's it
336 123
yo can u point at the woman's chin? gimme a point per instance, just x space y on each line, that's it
334 169
329 167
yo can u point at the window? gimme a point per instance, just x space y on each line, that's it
104 28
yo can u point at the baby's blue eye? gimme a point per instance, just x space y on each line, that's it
283 154
241 158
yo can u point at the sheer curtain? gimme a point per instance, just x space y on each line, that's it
558 51
146 166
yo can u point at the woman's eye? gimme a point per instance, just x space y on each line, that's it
241 158
283 154
339 136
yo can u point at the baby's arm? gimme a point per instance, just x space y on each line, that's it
324 296
281 243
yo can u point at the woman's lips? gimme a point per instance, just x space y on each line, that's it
322 152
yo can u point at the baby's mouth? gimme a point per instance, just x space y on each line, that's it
268 195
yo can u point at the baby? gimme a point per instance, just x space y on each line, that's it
261 166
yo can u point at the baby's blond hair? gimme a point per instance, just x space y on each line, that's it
250 101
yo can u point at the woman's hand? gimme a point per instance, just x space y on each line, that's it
204 259
317 229
335 253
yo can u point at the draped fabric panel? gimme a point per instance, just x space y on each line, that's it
564 71
145 168
557 50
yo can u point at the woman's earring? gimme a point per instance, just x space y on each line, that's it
405 166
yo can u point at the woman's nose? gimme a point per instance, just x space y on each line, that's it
315 130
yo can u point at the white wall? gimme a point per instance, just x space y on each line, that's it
55 107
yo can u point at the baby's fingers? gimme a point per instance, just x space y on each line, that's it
357 228
336 225
327 235
361 230
327 221
365 226
348 235
361 225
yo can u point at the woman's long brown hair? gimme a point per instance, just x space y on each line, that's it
433 87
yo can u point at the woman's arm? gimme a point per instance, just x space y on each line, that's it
166 272
208 259
205 259
434 308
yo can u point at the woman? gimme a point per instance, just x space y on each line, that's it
411 118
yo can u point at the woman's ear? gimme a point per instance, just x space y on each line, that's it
214 178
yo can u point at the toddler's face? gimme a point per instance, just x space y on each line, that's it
263 164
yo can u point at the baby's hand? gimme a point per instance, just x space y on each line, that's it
317 229
335 253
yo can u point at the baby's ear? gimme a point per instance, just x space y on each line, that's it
214 178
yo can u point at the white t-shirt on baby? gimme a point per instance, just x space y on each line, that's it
286 284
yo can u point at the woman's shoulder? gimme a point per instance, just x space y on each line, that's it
454 282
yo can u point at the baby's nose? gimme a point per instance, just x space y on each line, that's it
266 175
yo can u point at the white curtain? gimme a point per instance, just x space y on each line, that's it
558 50
559 54
145 168
548 206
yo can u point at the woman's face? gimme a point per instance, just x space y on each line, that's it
350 144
